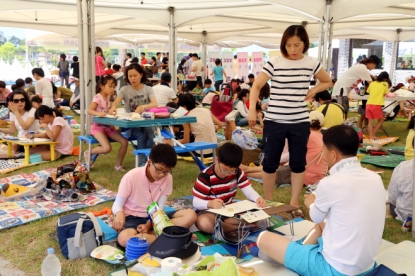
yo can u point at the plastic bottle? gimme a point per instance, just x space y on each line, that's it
51 265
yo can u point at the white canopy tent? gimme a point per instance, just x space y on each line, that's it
209 22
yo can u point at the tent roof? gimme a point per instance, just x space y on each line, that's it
225 21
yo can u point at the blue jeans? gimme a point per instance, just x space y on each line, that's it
65 80
217 84
242 122
145 140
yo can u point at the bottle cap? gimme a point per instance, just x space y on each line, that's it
51 250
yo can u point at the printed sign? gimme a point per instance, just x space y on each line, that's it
243 69
227 63
212 56
257 63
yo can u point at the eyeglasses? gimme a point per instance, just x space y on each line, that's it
22 100
227 172
161 172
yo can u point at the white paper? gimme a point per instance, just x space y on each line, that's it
235 208
301 228
254 216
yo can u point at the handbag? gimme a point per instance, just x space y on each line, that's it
78 235
220 109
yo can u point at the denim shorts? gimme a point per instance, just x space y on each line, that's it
133 221
274 139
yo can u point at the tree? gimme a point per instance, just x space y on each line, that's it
7 50
313 45
15 40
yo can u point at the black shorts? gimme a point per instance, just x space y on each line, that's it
133 221
274 138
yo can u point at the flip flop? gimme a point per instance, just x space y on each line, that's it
297 214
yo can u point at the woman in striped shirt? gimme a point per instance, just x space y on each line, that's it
287 115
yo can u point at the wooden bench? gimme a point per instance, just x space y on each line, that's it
195 146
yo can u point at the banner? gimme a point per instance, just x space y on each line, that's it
257 63
243 69
212 56
227 63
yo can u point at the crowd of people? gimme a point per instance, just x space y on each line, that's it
311 145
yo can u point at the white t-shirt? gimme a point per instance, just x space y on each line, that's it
163 94
204 128
352 200
44 88
290 82
33 127
188 64
350 77
128 62
197 65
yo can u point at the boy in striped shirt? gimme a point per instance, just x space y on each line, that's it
217 185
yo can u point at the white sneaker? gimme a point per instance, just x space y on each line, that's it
231 116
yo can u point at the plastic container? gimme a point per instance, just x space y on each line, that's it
51 266
136 248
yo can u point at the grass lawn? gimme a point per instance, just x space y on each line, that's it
25 246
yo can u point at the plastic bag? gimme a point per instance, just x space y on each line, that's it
227 266
31 191
245 138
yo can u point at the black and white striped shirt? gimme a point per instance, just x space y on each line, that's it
290 81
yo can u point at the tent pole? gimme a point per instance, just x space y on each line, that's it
204 55
27 59
326 32
85 46
91 38
320 40
82 62
172 54
330 48
394 55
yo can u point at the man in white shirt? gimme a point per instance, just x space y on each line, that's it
188 64
163 92
400 190
129 59
349 209
197 67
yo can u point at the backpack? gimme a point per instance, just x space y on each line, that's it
78 234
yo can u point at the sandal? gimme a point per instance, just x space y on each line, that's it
297 214
119 169
86 158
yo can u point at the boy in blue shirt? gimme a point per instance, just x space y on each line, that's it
208 87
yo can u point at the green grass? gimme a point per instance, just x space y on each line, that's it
25 246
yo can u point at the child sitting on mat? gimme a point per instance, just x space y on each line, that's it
100 106
56 129
409 146
217 185
142 186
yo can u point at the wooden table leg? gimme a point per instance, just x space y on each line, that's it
9 149
52 152
26 154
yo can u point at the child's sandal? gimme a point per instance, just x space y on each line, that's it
119 169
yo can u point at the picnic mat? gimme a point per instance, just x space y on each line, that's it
30 208
10 165
381 141
387 161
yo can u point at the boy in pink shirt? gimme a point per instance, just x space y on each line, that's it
142 186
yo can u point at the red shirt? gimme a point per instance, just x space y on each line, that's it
109 71
209 186
143 61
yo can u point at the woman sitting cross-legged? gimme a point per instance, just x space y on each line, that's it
22 117
56 129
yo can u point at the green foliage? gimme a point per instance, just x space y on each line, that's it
7 50
313 45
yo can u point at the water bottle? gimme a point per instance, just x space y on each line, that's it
51 265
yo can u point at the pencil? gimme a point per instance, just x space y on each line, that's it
223 205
